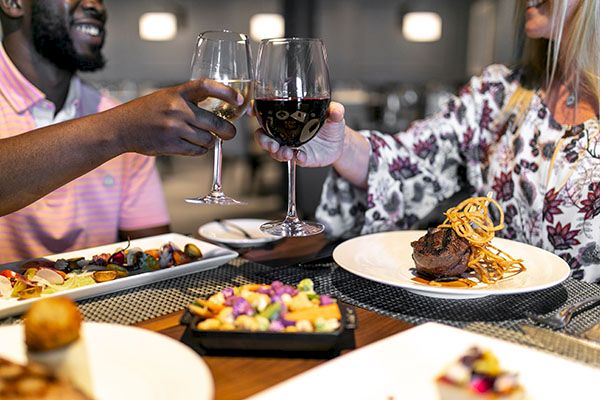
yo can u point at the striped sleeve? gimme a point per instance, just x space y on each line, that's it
143 203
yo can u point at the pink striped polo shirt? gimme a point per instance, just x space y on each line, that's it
122 194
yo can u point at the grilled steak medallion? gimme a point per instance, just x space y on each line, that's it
441 253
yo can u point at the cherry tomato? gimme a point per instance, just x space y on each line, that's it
10 274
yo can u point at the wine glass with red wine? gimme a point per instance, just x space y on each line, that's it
291 100
222 56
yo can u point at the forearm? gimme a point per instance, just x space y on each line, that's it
353 164
37 162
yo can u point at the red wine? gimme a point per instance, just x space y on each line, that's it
294 121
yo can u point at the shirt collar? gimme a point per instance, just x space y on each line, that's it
74 93
22 94
18 91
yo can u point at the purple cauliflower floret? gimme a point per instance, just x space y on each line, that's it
286 322
292 291
325 300
276 285
241 307
265 290
276 326
227 292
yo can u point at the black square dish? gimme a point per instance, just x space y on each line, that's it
271 344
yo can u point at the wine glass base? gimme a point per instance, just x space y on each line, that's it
220 200
293 228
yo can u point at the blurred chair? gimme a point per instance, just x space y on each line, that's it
401 106
357 101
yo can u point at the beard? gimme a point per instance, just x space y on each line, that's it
52 40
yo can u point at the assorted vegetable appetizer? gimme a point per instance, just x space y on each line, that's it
478 375
41 276
274 308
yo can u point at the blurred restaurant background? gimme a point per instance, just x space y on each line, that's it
391 62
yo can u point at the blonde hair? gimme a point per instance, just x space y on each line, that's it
573 56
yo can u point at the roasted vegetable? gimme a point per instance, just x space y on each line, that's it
104 276
311 314
30 292
179 257
121 271
192 250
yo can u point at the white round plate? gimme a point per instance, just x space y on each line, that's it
224 233
387 258
131 363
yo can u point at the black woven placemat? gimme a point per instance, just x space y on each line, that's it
498 316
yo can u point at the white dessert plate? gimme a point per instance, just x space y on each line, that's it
212 257
226 232
130 363
387 258
405 366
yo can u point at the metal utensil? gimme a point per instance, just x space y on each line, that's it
562 317
228 224
565 345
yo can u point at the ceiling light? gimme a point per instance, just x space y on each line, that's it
266 26
422 26
158 26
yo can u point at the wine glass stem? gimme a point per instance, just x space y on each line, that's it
291 209
216 186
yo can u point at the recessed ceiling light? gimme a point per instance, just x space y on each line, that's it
158 26
422 26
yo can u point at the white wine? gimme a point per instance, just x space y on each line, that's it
225 110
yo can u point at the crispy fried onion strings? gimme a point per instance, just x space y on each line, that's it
471 220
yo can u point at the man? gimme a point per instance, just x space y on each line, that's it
167 122
44 43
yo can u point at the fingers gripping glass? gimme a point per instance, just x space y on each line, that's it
291 100
222 56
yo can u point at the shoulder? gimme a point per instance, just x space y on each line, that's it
96 100
496 71
495 84
497 74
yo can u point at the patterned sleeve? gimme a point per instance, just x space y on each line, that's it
411 172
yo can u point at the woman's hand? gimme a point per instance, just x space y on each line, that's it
324 149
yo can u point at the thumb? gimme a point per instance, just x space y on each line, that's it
199 89
335 112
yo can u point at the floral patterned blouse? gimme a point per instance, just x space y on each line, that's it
545 176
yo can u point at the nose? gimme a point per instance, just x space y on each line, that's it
94 8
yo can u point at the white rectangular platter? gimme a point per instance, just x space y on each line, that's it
405 365
212 257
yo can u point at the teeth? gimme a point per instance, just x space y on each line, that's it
89 29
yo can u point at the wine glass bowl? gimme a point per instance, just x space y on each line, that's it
223 56
292 94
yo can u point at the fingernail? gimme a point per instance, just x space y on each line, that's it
240 99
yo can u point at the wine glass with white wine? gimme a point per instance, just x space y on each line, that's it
223 56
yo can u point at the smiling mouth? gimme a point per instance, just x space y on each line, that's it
535 3
89 29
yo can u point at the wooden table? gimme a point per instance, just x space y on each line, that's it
239 377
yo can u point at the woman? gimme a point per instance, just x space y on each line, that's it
529 135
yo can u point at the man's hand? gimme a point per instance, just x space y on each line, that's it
169 121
